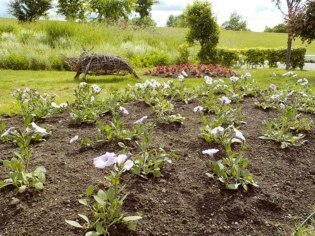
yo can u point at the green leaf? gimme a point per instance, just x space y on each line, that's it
39 186
84 202
84 217
22 188
99 200
232 186
39 170
131 218
89 190
91 233
74 224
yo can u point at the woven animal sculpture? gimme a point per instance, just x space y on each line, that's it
98 64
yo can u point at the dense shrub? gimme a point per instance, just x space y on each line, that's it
227 57
153 59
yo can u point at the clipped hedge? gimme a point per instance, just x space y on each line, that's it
259 56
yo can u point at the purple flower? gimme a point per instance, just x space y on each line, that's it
234 79
38 129
142 120
128 165
123 110
208 80
74 139
225 100
108 159
7 132
282 106
273 87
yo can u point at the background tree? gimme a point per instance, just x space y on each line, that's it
177 21
112 10
305 23
29 10
280 28
292 11
143 8
235 23
72 9
203 28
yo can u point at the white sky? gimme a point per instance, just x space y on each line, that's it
257 13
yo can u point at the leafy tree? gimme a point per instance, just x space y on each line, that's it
72 9
203 28
280 28
144 7
29 10
305 23
112 10
177 21
235 23
292 11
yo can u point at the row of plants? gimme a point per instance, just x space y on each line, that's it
191 71
220 99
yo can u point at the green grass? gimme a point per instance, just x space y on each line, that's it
62 84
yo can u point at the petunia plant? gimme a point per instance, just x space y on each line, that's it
19 175
87 106
35 106
106 206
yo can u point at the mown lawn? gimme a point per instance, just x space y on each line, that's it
63 85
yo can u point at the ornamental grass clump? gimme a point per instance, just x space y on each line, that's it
106 206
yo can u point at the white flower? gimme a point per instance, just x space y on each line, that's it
282 106
128 165
303 82
123 110
83 84
248 75
7 132
234 79
184 73
181 78
273 87
166 86
208 80
74 139
210 152
198 108
38 129
142 120
108 159
96 88
225 100
238 134
54 105
92 99
26 90
217 131
121 159
63 105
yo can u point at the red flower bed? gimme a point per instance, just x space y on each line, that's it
193 71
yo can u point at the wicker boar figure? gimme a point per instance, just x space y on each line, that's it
98 64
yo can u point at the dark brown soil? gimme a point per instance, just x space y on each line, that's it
185 201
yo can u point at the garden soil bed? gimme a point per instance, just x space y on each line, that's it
183 202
